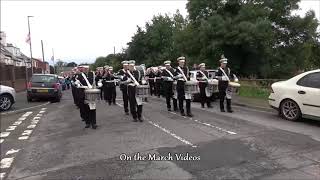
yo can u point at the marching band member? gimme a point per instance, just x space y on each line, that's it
98 79
134 78
123 86
224 76
104 83
151 75
110 85
85 112
73 86
168 78
182 72
158 82
202 77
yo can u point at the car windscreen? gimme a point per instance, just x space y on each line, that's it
43 79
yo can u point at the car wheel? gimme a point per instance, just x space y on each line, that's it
5 102
290 110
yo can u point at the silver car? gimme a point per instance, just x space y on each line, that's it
7 97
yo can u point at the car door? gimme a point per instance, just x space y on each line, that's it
308 92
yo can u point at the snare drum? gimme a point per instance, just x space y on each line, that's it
234 87
92 95
191 87
142 91
212 86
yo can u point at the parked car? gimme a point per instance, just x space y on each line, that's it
63 83
212 75
297 97
7 97
44 86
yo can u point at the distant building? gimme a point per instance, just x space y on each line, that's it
3 38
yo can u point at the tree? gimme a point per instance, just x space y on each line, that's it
72 64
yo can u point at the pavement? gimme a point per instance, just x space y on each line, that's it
51 143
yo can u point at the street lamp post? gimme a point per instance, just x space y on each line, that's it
30 45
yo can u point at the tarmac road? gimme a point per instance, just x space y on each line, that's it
247 144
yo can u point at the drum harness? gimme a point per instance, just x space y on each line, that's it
170 73
184 76
134 79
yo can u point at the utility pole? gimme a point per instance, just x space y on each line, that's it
30 45
114 50
44 72
54 69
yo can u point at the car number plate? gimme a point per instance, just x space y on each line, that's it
43 90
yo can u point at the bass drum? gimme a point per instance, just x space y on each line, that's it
234 87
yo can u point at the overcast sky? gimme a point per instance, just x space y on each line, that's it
80 31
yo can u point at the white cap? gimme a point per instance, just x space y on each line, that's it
132 62
223 59
167 63
183 59
202 65
124 62
110 68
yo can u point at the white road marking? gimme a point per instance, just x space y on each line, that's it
23 137
43 109
26 132
42 112
36 118
220 129
2 175
26 114
6 162
1 141
4 134
11 128
17 123
33 122
22 119
172 134
119 104
31 126
12 151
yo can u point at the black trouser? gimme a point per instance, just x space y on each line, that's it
168 93
135 109
181 98
222 95
157 88
91 115
203 96
73 90
125 97
175 104
110 94
101 93
81 104
152 87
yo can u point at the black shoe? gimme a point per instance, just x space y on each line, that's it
141 119
202 106
169 109
127 113
210 107
189 115
222 110
87 126
183 114
94 126
109 104
176 110
135 120
82 119
230 111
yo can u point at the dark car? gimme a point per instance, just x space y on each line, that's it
44 86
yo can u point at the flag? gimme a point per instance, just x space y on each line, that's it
28 39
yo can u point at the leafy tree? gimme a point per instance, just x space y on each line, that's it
72 64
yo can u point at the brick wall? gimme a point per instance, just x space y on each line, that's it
15 77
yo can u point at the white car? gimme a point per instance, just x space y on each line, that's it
7 97
297 97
